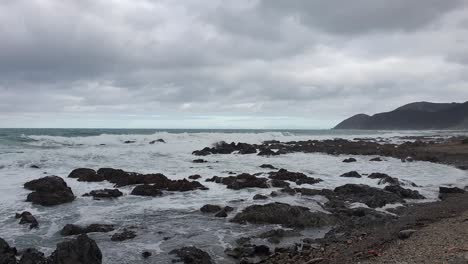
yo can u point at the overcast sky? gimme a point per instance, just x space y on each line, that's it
225 64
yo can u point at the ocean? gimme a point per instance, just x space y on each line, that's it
173 220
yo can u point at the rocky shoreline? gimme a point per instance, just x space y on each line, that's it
357 233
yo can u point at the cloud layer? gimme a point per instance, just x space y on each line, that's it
214 63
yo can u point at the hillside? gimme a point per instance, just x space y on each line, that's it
414 116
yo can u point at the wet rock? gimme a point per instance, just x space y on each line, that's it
267 152
27 218
146 190
241 181
157 140
384 179
49 191
122 178
129 141
34 166
297 177
192 255
404 234
351 174
447 191
372 197
146 254
248 251
72 230
124 235
86 175
282 214
349 160
279 184
199 161
221 213
32 256
7 253
204 152
105 193
376 159
260 197
184 186
268 166
210 208
276 235
81 250
246 148
404 193
194 177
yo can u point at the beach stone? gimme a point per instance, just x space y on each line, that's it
82 250
351 174
192 255
123 235
49 191
146 190
32 256
283 214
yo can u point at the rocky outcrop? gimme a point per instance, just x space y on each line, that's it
297 177
283 214
33 256
216 209
351 174
49 191
81 250
192 255
372 197
86 175
268 166
72 230
123 235
241 181
27 218
7 253
384 178
104 193
146 190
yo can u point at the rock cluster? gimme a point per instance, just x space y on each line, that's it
49 191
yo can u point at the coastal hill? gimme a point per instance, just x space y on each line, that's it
417 116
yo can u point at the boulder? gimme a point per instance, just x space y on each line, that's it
371 196
192 255
146 254
446 191
376 159
267 166
297 177
49 191
146 190
276 235
283 214
194 177
157 140
407 233
123 235
267 152
86 175
351 174
248 251
32 256
82 250
241 181
27 218
7 253
210 208
199 161
384 178
349 160
72 230
122 178
404 193
260 197
184 186
279 183
105 193
246 148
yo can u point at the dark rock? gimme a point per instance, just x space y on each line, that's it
267 166
72 230
451 190
279 183
32 256
283 214
404 193
276 235
157 140
376 159
297 177
122 178
192 255
404 234
260 197
267 152
349 160
146 254
204 152
221 213
247 251
199 161
351 174
49 191
246 148
241 181
34 166
210 208
105 193
124 235
86 175
372 197
7 253
384 178
194 177
146 190
129 141
28 218
184 186
81 250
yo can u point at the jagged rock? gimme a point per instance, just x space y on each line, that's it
129 141
122 178
72 230
7 253
267 166
86 175
349 160
32 256
404 193
124 235
283 214
221 213
404 234
260 197
192 255
279 184
267 152
49 191
297 177
446 191
105 193
199 161
146 190
27 218
372 197
384 179
351 174
241 181
210 208
82 250
194 177
247 251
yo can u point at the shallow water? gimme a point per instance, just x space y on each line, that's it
173 221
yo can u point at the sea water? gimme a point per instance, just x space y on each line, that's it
173 220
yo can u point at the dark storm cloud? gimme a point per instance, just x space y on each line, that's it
304 59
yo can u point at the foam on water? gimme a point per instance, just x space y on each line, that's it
172 221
